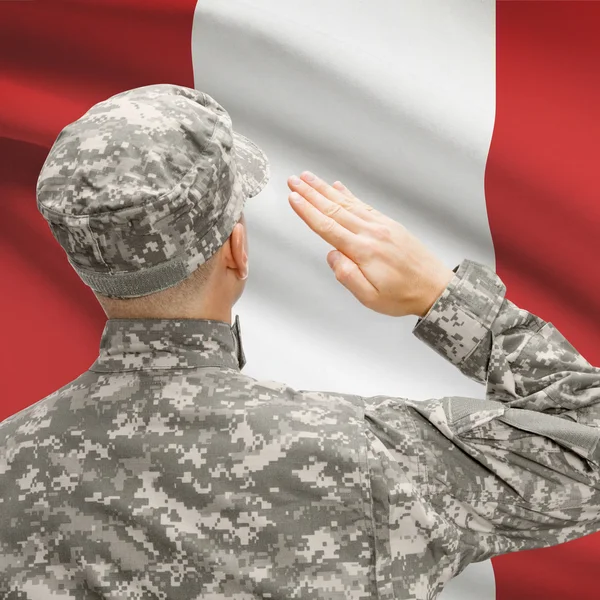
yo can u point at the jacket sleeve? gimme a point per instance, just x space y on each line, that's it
520 469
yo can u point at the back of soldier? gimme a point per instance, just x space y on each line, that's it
185 483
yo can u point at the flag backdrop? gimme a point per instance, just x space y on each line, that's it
475 124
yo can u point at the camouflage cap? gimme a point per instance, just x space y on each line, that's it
146 186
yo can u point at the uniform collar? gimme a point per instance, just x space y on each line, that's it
140 344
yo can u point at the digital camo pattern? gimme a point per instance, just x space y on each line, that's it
252 165
146 186
164 472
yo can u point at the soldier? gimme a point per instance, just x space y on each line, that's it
164 472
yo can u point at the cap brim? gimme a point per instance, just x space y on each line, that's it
252 165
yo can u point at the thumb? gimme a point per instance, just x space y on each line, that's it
351 277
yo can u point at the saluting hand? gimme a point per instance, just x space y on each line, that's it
386 267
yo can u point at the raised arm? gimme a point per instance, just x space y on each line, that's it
520 469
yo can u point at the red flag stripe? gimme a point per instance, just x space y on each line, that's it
63 57
544 212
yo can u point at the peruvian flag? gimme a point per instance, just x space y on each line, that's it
475 124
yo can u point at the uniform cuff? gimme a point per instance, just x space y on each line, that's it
461 317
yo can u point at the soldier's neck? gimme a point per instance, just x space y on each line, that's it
215 311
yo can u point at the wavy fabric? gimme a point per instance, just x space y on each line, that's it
474 125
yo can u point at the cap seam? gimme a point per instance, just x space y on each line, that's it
96 245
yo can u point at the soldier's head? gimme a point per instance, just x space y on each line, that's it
145 194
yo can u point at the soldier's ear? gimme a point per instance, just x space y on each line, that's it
237 255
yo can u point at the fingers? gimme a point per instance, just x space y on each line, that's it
344 197
337 216
351 277
332 209
326 227
374 214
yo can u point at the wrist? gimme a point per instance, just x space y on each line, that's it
433 291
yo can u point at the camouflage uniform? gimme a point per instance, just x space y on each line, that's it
165 473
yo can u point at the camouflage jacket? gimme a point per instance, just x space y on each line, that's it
165 473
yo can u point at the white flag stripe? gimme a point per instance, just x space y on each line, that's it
395 99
